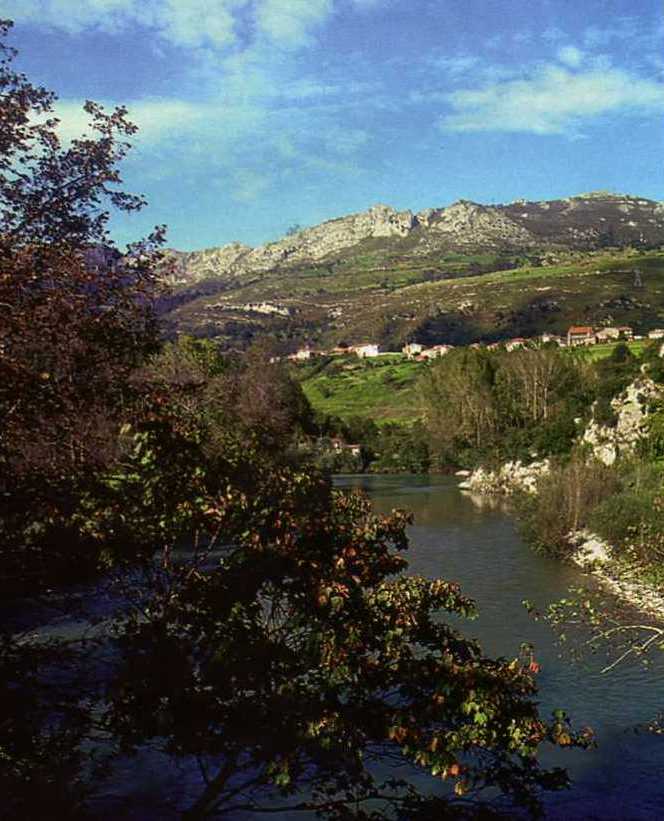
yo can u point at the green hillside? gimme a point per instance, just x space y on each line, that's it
453 300
385 389
381 389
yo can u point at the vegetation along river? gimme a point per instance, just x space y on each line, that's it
472 541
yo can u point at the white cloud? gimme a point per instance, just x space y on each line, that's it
183 22
289 21
156 118
456 66
187 23
553 100
571 56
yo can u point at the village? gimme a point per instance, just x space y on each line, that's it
577 335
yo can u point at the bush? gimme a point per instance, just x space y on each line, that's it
565 501
604 414
632 518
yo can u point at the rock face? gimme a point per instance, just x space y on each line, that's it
585 222
590 550
508 479
631 409
463 222
199 265
314 244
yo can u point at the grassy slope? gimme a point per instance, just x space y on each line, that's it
383 389
374 297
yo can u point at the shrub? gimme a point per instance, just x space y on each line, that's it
566 498
632 518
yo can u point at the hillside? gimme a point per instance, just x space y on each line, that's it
465 273
385 389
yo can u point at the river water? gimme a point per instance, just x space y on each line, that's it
474 542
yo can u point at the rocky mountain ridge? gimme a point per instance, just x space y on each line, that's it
584 222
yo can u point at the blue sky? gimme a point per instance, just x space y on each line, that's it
256 115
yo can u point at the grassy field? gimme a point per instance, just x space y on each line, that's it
384 389
380 389
596 352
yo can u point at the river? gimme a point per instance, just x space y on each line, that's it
475 542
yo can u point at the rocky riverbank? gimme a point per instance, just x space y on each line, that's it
595 556
510 478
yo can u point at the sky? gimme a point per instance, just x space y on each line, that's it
258 115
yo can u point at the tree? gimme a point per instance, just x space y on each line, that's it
304 658
458 398
76 317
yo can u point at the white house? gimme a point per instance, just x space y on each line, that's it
366 351
656 333
412 349
301 355
606 334
435 352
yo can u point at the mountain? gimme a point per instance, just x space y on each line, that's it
382 273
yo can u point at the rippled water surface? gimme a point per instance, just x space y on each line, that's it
473 541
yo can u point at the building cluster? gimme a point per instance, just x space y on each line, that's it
577 335
413 350
365 351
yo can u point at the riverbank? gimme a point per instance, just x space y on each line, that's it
588 551
625 581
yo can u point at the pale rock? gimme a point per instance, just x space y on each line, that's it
631 408
463 221
508 479
590 549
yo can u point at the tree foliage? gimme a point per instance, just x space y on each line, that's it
483 405
75 316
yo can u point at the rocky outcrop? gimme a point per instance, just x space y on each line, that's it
631 409
510 478
314 244
589 550
592 554
467 223
586 222
207 264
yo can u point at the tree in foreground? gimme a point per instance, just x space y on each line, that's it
75 319
288 658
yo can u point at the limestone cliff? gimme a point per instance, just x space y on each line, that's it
631 409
